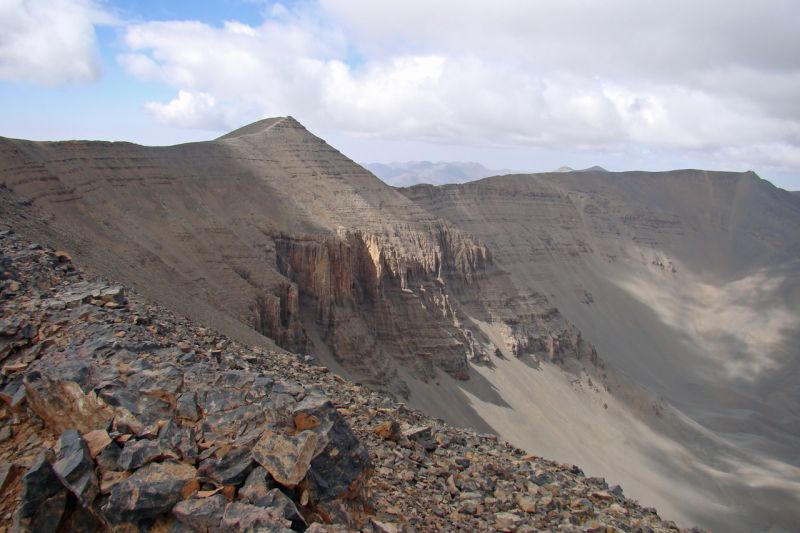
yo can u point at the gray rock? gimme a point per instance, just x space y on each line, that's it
75 468
149 492
138 453
422 435
109 457
50 514
201 514
256 487
186 407
230 469
276 499
341 460
243 517
38 484
180 439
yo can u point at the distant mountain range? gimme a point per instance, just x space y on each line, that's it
407 173
594 168
404 174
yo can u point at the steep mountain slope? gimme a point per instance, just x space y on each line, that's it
270 232
686 281
270 227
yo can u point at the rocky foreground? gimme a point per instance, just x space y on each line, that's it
118 415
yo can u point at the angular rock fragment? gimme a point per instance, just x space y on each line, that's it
50 514
243 517
97 441
186 407
38 484
8 474
231 467
422 435
150 491
276 499
286 458
340 459
201 514
138 453
75 468
63 405
256 487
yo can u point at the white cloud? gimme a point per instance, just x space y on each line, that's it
189 110
49 42
589 75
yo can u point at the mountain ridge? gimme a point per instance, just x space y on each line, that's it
468 307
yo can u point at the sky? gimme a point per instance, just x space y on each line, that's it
521 84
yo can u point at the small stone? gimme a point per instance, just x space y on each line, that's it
389 430
526 503
62 256
243 517
8 473
507 521
227 467
96 440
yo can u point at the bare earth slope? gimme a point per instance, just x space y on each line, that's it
686 281
453 297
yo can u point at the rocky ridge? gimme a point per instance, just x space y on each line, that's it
118 414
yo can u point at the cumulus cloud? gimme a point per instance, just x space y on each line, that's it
717 78
189 110
49 42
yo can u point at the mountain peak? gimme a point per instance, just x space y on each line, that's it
261 126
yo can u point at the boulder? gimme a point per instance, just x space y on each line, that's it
38 484
340 459
201 514
75 468
50 514
287 458
149 492
63 405
422 435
